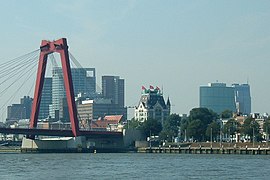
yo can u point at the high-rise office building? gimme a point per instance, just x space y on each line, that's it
98 108
20 111
26 102
217 97
84 81
242 98
46 98
114 88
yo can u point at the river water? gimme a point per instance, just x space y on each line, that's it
133 166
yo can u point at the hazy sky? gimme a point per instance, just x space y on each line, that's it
174 44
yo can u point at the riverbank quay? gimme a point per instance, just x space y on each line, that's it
10 149
206 148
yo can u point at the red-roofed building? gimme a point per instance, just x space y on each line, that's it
109 123
114 119
99 125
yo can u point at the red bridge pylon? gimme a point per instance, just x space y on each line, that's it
46 48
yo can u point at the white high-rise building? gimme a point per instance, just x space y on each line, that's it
84 81
46 98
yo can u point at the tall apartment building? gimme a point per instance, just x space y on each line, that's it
114 88
46 98
242 98
152 105
217 97
84 81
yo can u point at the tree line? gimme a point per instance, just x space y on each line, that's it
202 124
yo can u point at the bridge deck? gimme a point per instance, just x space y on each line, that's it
62 133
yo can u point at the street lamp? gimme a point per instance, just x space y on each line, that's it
267 136
220 138
253 132
230 136
185 136
253 135
150 140
211 137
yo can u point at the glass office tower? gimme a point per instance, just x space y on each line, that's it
217 97
242 98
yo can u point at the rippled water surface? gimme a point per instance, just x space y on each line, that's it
133 166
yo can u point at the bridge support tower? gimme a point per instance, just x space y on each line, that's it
47 47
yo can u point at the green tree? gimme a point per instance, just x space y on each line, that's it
151 126
171 127
266 127
204 114
226 114
183 127
231 127
251 128
212 129
198 121
196 130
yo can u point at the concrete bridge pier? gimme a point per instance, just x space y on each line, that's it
74 144
58 144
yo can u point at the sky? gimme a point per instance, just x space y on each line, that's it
173 44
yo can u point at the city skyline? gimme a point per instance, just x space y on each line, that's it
176 45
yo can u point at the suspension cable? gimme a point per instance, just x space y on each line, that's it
18 65
23 82
18 58
15 72
22 73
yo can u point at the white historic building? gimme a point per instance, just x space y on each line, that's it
152 105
